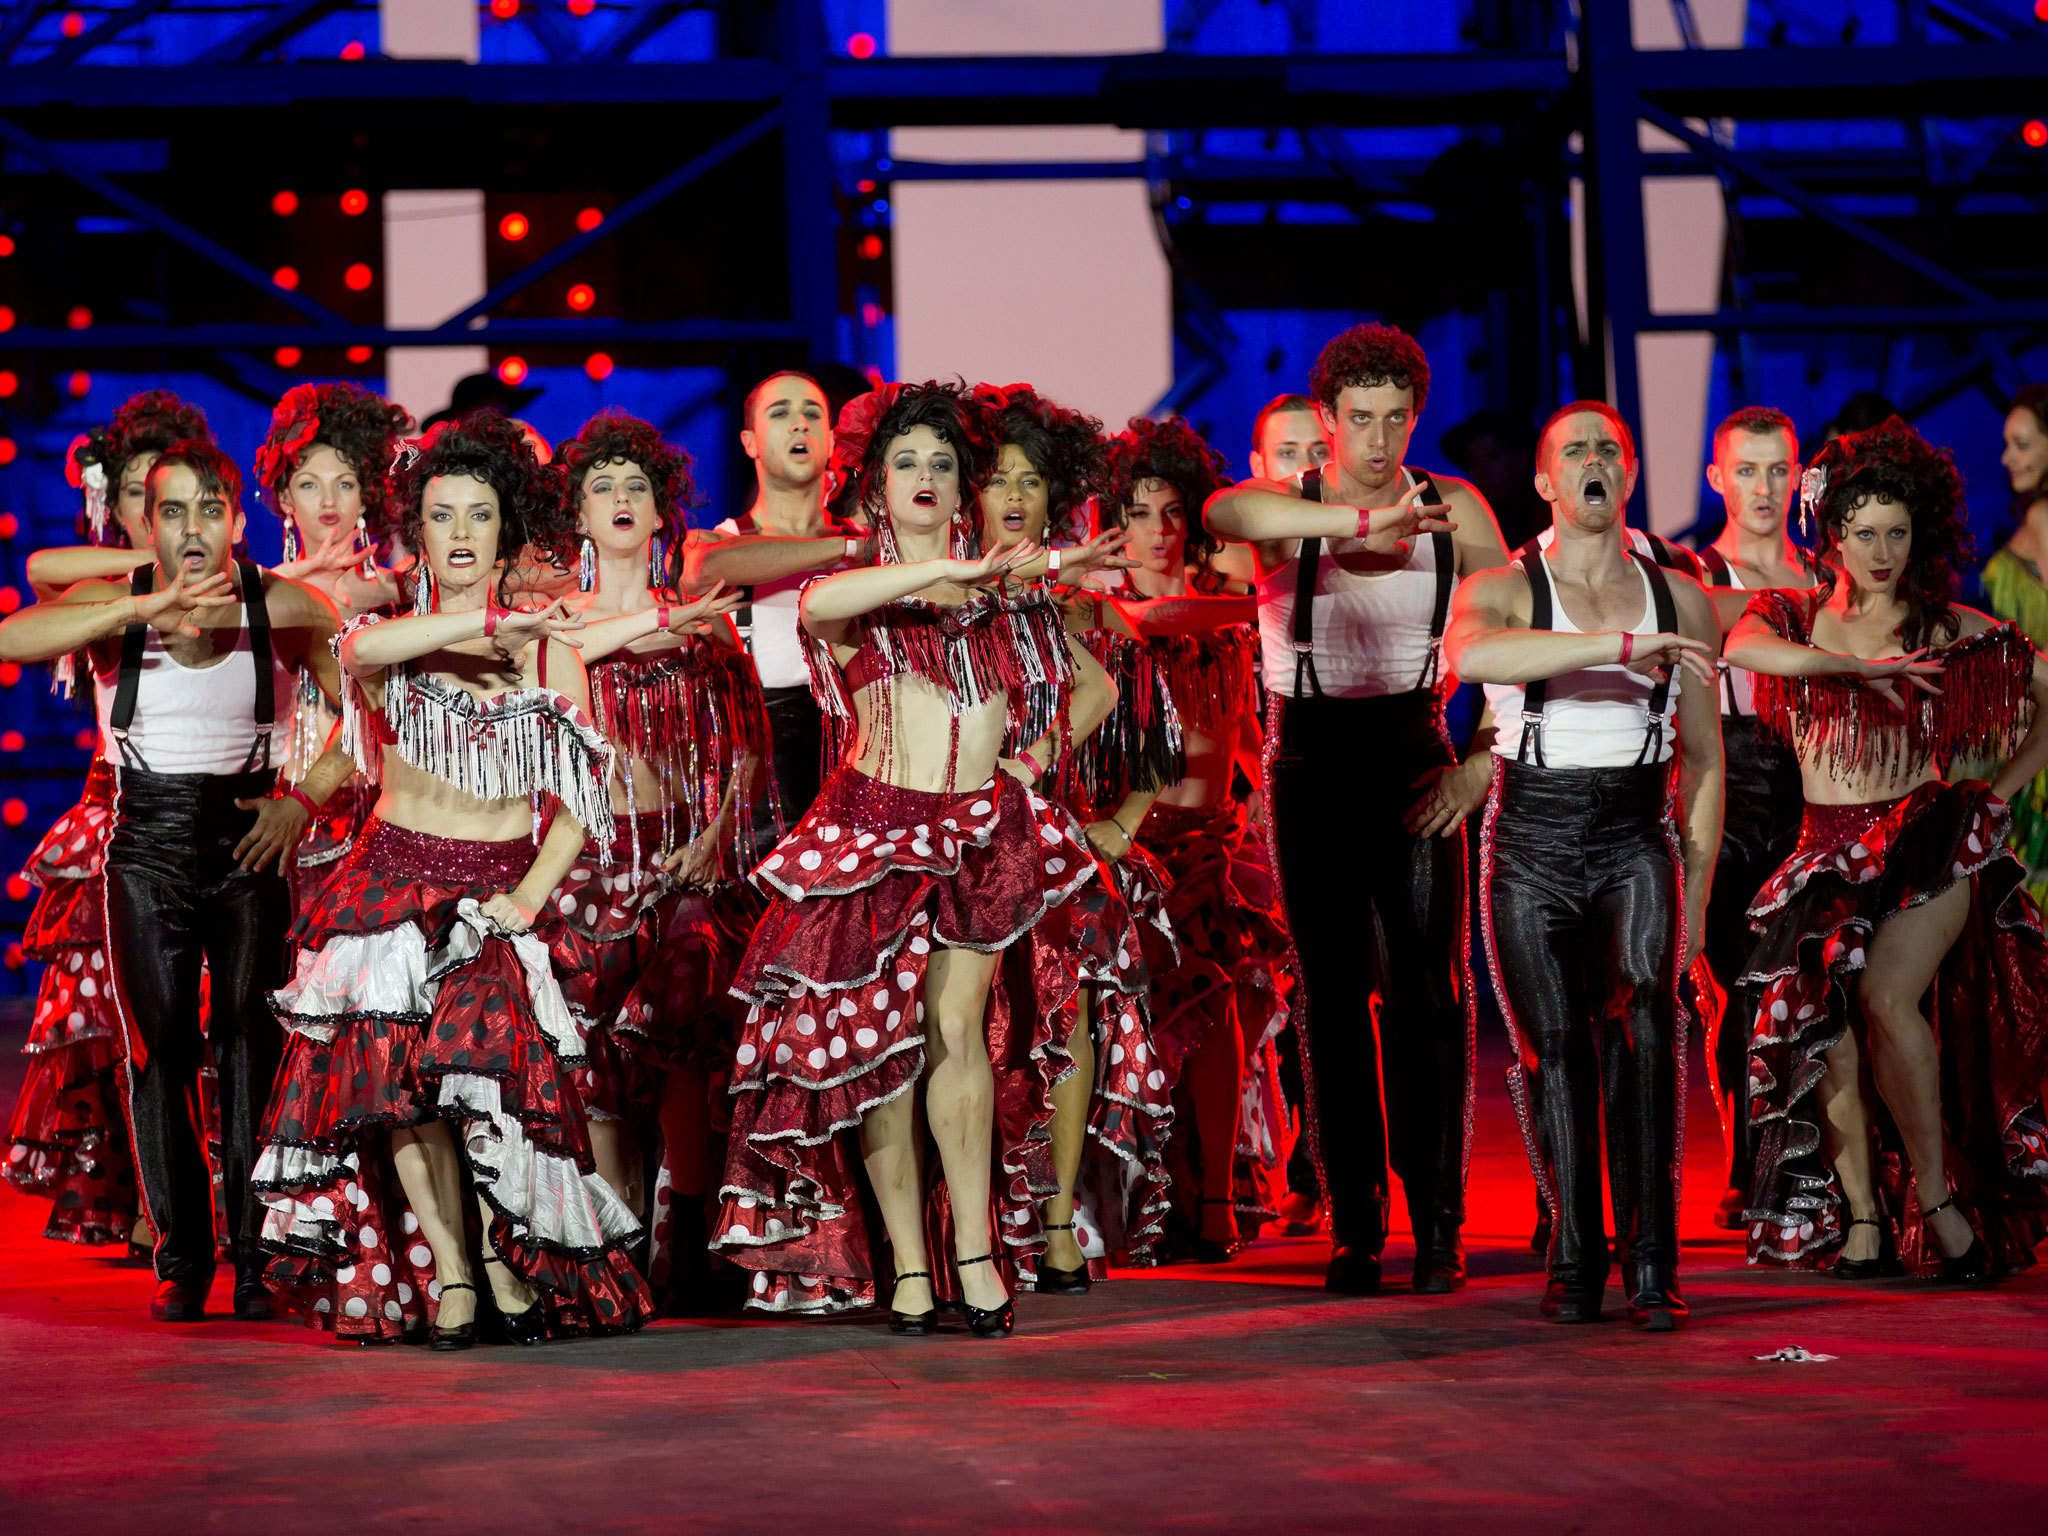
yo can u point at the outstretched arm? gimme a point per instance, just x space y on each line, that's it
97 611
368 651
1190 615
50 571
741 560
829 607
1489 639
1756 647
1702 771
701 615
1266 512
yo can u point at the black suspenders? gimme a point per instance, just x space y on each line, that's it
1719 575
1536 694
133 639
1309 559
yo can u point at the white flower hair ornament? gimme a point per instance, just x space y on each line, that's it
1813 487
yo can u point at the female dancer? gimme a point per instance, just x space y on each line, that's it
653 922
322 467
1049 461
68 1137
1222 1007
924 857
1901 888
424 1005
2016 590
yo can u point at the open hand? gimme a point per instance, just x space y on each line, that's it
693 617
1651 654
519 626
170 610
699 862
1391 528
280 823
1892 677
1449 795
993 566
1104 552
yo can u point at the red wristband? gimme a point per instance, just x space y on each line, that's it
1628 645
1031 762
293 792
1364 523
491 611
661 615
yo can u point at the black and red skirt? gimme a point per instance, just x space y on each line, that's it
407 1006
67 1140
1855 866
864 886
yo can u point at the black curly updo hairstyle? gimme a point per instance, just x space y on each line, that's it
487 446
1066 446
146 423
1176 453
1893 461
870 423
614 437
363 428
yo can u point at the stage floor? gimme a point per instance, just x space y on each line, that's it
1228 1399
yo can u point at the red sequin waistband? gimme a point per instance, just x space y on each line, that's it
1829 826
408 855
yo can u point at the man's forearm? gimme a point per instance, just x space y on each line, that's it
330 770
757 557
1700 790
1507 657
49 630
1256 514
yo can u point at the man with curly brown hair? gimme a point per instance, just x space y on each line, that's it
1351 636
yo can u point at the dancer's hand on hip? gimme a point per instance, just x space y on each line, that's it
280 823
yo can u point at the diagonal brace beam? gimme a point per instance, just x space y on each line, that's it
640 203
148 213
73 49
278 26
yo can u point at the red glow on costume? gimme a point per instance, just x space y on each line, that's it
512 371
354 201
359 354
589 218
861 45
79 384
286 277
598 365
284 204
514 226
358 276
287 357
2035 132
582 296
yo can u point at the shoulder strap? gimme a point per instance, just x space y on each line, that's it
1716 564
1666 620
1535 693
1306 561
133 639
540 661
256 614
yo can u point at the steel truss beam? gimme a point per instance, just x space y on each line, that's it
504 333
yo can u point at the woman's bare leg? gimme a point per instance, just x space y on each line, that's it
888 1136
431 1175
1845 1141
960 1096
1070 1101
1904 955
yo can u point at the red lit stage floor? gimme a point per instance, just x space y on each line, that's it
1232 1399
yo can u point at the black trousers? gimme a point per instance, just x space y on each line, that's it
176 901
1765 804
1359 888
1585 904
799 731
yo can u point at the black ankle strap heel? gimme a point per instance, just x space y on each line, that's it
914 1324
461 1337
1970 1267
1054 1281
988 1323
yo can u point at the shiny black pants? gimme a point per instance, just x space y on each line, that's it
1585 905
1374 909
798 729
176 902
1758 833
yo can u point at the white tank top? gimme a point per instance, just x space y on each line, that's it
1596 717
771 636
1370 629
193 719
1738 687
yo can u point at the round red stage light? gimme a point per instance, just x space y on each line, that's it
352 49
599 366
358 276
12 741
79 384
286 277
514 226
871 315
284 204
863 187
8 450
861 45
2035 133
359 354
10 599
6 318
88 738
10 381
582 296
504 10
512 371
871 247
582 7
73 24
10 525
10 673
14 812
589 219
6 245
287 357
79 318
18 888
2041 10
354 201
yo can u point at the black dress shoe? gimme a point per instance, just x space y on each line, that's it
1054 1281
1353 1271
1440 1270
1539 1235
180 1301
916 1325
462 1335
1654 1304
252 1298
1573 1301
988 1322
528 1327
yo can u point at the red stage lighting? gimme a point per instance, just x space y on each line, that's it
2041 10
10 381
79 384
514 226
10 599
589 219
14 812
2035 133
871 247
598 365
352 49
286 277
10 525
504 10
287 357
582 296
871 315
10 673
88 738
7 450
359 354
284 204
12 741
861 45
73 24
358 276
6 318
354 201
582 7
79 318
6 245
512 371
863 187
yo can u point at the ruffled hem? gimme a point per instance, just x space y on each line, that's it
68 1143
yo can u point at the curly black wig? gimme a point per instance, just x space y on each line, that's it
1368 355
1064 445
484 444
1894 461
949 409
613 437
363 428
1176 453
146 423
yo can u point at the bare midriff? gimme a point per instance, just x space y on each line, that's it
921 724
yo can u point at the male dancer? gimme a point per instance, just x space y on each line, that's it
1756 472
785 537
1287 438
1599 666
1350 638
192 658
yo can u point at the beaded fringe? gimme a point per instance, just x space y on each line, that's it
1139 746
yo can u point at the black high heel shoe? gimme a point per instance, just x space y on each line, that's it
463 1335
523 1328
1887 1265
1208 1250
988 1323
1053 1281
915 1324
1970 1267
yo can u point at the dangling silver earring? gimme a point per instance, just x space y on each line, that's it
657 562
423 590
291 540
366 553
586 566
